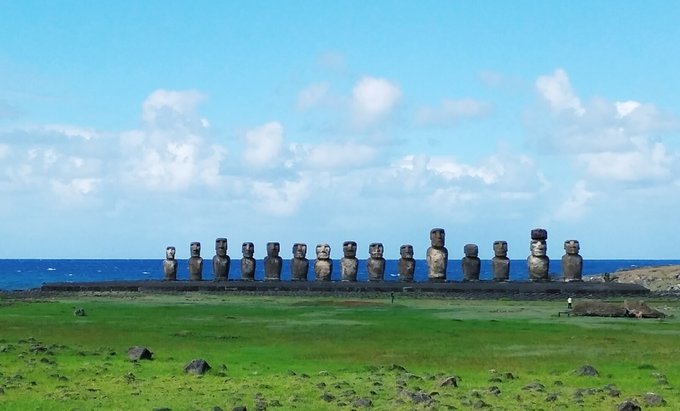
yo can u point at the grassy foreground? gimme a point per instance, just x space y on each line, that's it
314 353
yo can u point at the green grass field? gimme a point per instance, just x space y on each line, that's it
319 353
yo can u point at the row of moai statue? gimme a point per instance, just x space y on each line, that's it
437 261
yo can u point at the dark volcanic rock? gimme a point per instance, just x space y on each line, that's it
139 353
534 386
451 381
239 408
654 400
362 403
628 406
587 371
197 366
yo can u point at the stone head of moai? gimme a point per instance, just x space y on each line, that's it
572 247
170 252
221 247
195 249
273 249
539 234
375 250
323 251
299 250
406 251
248 249
538 248
437 237
500 248
471 250
349 249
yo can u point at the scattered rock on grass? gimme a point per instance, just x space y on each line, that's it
362 403
628 405
654 400
239 408
79 312
534 386
451 381
197 366
587 371
139 353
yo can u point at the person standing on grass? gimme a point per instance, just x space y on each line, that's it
569 303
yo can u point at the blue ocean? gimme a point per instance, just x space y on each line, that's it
29 274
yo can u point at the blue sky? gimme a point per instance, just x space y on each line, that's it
129 126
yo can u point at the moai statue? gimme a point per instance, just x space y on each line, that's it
407 264
572 262
195 262
299 265
273 262
471 263
170 265
538 262
349 265
248 262
323 265
221 261
376 262
437 256
500 263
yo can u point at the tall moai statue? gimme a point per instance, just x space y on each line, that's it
349 264
248 262
323 265
437 256
538 262
170 264
500 263
299 264
572 262
471 264
221 261
376 262
195 262
273 262
407 264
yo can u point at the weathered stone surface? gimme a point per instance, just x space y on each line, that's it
500 263
349 264
197 366
538 263
587 371
572 262
471 264
376 262
534 386
221 261
248 262
437 255
407 264
654 400
195 262
323 265
362 403
170 264
79 312
139 353
628 405
539 234
273 262
299 265
240 408
451 381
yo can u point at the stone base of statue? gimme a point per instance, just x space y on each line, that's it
349 266
323 270
538 268
500 266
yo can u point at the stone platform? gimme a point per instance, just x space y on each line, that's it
480 289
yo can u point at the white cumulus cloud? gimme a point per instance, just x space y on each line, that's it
263 145
373 99
556 89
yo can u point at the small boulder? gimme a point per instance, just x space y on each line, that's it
628 406
139 353
239 408
197 366
587 371
654 400
79 312
451 381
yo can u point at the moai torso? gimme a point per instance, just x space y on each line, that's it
273 262
299 265
170 265
500 263
323 265
572 262
248 262
376 262
195 262
221 261
437 256
538 262
349 265
407 264
470 263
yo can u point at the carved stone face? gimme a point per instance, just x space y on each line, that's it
195 249
538 248
273 249
500 248
299 250
170 253
248 249
406 251
375 250
323 251
349 249
471 250
221 247
572 246
437 237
